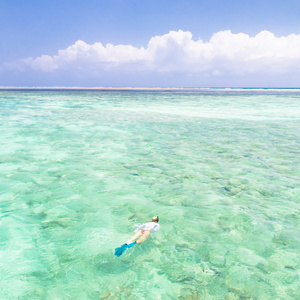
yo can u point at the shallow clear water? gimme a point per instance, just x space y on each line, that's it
79 169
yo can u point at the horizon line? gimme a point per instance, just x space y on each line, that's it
150 88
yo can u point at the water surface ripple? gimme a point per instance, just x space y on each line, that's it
79 169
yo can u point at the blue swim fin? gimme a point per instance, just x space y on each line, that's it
130 245
119 251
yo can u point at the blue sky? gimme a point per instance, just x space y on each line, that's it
153 43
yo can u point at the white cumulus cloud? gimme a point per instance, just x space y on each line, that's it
224 53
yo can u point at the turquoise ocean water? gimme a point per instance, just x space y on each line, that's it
80 168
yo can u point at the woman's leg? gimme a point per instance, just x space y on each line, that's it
144 236
139 233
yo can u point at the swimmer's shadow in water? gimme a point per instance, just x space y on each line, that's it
106 264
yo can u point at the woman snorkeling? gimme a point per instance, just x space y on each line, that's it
142 232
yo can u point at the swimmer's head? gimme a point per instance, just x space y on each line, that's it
155 219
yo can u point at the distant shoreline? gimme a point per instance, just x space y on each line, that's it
140 89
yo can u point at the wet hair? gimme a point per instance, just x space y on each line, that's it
156 218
